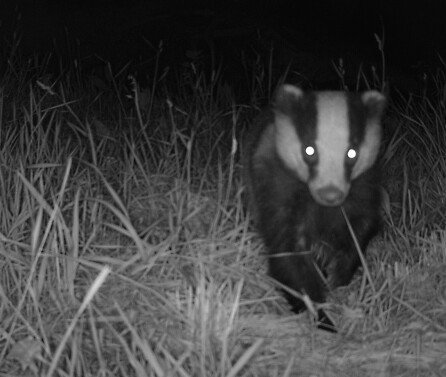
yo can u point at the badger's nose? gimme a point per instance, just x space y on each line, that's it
330 196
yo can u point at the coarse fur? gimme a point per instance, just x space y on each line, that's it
307 157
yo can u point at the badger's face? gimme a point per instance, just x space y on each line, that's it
327 138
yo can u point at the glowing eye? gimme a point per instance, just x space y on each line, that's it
351 153
310 151
310 155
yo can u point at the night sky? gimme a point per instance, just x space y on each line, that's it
119 30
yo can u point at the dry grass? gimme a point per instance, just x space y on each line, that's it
125 249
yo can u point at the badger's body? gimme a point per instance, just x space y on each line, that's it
307 157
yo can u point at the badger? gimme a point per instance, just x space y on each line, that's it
310 163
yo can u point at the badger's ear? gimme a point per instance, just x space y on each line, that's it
286 97
375 102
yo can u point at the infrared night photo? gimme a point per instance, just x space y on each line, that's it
231 188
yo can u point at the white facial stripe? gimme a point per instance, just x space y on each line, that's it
289 147
369 148
332 141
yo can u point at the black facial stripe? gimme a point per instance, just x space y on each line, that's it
357 114
305 120
348 168
311 161
357 119
303 114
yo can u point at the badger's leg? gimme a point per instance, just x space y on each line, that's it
346 259
298 272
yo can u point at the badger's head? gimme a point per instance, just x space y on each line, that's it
327 138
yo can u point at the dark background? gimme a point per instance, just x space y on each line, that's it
318 32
